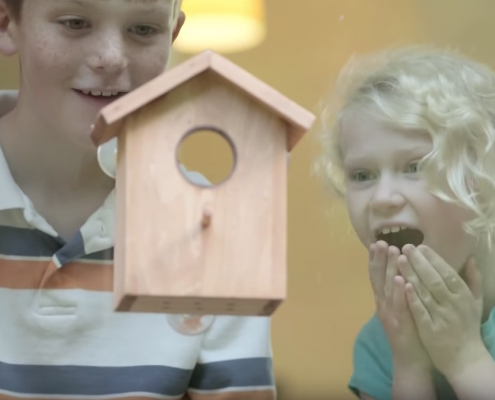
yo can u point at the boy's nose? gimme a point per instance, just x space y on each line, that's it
109 56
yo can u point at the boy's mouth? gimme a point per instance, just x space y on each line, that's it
101 95
399 236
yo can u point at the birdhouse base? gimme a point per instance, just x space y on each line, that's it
197 305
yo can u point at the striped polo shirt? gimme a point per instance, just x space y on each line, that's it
61 339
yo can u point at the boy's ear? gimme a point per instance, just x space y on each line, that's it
7 43
178 25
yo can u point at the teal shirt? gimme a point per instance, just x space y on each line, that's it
373 361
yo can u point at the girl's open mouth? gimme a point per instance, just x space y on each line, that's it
400 236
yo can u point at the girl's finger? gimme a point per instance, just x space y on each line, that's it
377 268
409 274
473 279
392 270
418 310
399 298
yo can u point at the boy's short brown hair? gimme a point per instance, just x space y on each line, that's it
14 7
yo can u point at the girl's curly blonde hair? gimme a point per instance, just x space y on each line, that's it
429 90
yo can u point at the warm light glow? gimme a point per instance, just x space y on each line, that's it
224 26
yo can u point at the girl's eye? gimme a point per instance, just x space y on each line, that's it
413 168
75 24
362 176
143 30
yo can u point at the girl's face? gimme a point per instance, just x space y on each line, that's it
385 193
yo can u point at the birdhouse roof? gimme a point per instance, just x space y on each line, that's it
107 123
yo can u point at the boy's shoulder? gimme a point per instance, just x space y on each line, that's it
11 196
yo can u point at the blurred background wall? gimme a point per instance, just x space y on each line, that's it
306 45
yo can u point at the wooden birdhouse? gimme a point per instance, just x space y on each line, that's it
183 247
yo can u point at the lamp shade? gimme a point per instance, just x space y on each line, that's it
224 26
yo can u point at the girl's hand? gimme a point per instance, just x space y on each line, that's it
447 311
392 309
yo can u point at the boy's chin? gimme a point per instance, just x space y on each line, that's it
82 139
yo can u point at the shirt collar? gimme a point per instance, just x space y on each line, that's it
11 195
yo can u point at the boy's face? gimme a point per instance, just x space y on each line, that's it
383 190
79 55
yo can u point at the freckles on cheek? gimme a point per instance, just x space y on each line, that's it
152 63
45 57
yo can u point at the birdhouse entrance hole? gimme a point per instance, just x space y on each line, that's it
208 151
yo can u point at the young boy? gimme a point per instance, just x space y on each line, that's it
411 148
59 337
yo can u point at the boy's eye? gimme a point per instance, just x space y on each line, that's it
75 24
362 176
143 30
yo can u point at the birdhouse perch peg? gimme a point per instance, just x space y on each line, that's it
237 266
207 214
